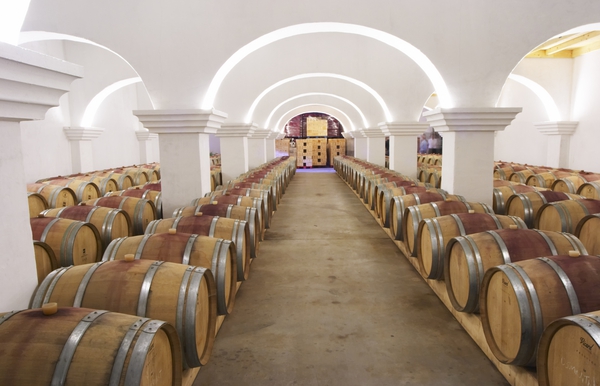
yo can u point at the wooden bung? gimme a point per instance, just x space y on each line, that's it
129 257
49 308
471 211
214 202
40 215
198 214
513 227
172 231
574 253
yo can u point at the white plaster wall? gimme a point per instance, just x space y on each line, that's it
586 110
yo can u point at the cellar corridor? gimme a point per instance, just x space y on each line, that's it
332 301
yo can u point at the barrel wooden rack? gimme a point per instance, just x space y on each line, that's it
471 323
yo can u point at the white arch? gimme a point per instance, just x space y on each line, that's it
12 15
364 119
314 108
300 29
364 86
92 107
540 92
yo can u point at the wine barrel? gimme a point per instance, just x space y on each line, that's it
588 231
590 190
504 170
502 193
111 223
568 351
384 201
182 295
546 179
183 248
434 234
250 215
413 215
84 190
400 203
213 226
527 205
564 216
105 184
141 211
521 176
56 196
519 300
124 181
264 195
468 257
251 202
275 199
45 260
572 183
73 242
37 204
144 194
373 190
76 346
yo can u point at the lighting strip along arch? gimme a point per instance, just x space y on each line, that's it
329 27
540 92
364 119
92 107
311 110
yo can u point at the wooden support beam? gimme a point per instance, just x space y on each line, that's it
570 44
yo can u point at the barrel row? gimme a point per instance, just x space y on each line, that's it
529 285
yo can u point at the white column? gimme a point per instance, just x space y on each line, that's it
270 143
403 148
559 140
375 145
145 138
80 139
361 149
30 84
257 148
234 149
350 143
184 151
468 147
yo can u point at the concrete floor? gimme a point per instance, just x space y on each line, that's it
332 301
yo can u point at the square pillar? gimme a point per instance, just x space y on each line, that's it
234 149
361 149
257 147
559 141
145 139
32 83
375 145
348 136
184 151
80 139
468 147
402 150
270 143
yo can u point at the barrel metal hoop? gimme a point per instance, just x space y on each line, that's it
140 350
468 206
417 198
585 209
54 196
140 249
459 224
145 290
496 221
68 243
89 216
83 284
138 214
213 225
44 289
219 262
527 208
565 220
566 281
68 350
237 236
107 225
47 229
228 211
548 241
502 246
535 323
180 319
111 250
575 243
436 209
189 331
239 200
187 253
175 222
62 210
8 315
499 200
437 244
487 209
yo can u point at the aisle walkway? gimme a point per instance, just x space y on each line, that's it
332 301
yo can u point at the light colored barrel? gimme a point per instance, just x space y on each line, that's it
546 179
519 300
569 352
124 181
413 215
45 260
434 234
73 242
250 202
105 184
572 183
37 204
213 253
526 205
182 295
56 196
588 231
144 194
590 190
468 257
84 190
502 193
140 211
76 346
213 226
563 216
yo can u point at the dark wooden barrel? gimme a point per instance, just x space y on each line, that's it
519 300
182 295
434 234
73 242
76 346
413 215
564 216
213 226
239 200
141 211
527 205
468 257
264 195
144 194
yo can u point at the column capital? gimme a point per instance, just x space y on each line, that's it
82 133
181 121
403 128
373 132
275 135
557 127
471 118
347 134
261 134
145 135
32 83
237 130
279 135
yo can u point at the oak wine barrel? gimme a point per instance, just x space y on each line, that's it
140 211
56 196
45 260
37 204
526 205
564 216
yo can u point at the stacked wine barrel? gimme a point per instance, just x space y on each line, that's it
526 269
153 290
